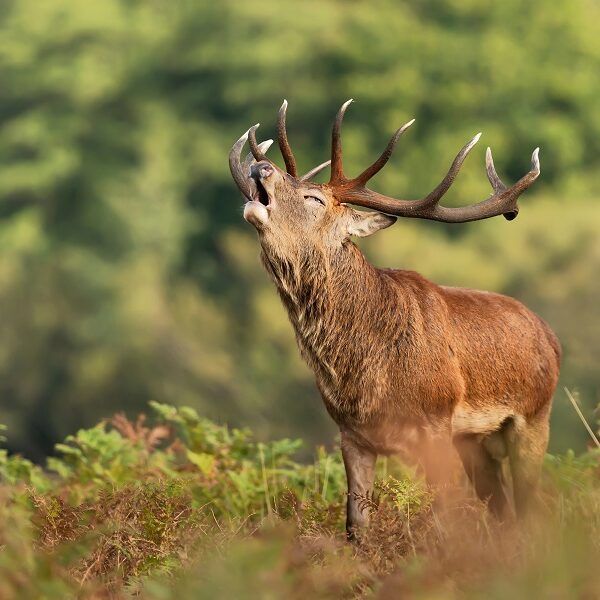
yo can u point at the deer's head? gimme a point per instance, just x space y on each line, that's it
290 211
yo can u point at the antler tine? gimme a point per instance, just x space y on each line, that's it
337 169
256 152
496 182
315 171
523 183
369 172
235 166
282 140
434 197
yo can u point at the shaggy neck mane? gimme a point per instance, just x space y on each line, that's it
329 299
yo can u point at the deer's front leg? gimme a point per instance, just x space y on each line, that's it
360 472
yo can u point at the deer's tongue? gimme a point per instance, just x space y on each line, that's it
256 213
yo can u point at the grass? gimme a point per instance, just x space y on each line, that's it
177 507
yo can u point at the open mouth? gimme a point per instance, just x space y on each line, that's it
260 194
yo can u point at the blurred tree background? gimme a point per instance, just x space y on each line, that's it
126 270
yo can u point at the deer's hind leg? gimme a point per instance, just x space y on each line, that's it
526 440
484 471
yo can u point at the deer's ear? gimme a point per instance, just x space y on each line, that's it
363 224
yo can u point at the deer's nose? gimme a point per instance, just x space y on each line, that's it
261 169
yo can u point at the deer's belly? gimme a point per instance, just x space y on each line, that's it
469 420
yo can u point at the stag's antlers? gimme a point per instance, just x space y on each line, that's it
353 191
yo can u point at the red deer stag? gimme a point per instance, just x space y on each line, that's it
397 357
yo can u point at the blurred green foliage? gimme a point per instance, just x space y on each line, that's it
126 271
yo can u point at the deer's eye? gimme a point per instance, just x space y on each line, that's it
315 199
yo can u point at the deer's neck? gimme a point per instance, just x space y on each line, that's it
331 299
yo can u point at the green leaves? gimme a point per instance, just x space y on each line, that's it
222 467
97 455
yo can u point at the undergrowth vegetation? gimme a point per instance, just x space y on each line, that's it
178 507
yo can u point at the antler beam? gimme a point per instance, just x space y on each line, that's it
353 191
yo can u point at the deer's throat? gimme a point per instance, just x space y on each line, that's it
324 296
